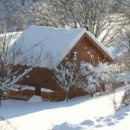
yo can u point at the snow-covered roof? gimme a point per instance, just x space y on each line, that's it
49 43
10 37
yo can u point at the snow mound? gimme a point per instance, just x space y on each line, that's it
35 99
66 126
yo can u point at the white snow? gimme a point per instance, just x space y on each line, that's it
13 89
28 88
10 37
35 99
47 90
82 113
123 77
17 87
49 43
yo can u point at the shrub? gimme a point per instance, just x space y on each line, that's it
126 97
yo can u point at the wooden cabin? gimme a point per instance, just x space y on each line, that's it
57 45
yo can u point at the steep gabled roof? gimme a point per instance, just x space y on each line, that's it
100 46
50 44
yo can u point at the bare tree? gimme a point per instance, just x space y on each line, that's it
123 43
42 13
67 75
14 14
94 15
15 63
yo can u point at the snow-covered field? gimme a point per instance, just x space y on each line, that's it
82 113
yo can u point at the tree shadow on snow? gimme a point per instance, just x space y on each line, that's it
15 108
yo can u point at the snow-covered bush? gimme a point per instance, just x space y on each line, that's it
67 76
88 82
126 97
104 76
95 78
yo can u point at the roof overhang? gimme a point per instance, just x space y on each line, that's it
100 47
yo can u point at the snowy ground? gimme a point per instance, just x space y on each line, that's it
123 76
82 113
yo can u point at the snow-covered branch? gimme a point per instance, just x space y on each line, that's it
95 78
67 75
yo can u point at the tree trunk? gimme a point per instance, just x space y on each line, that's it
67 95
0 98
1 92
91 93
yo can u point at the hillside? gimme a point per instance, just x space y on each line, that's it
82 113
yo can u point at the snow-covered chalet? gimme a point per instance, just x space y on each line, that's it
52 46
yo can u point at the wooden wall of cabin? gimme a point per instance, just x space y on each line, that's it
87 51
40 77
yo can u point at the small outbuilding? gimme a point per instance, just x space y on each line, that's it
52 46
